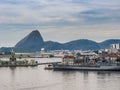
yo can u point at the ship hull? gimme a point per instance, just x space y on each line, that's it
87 68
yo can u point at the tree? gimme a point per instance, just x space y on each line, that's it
118 60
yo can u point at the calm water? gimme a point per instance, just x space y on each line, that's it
36 78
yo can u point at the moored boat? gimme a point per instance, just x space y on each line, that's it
90 68
84 63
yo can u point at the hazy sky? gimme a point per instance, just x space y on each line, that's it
59 20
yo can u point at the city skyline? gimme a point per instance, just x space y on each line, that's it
59 20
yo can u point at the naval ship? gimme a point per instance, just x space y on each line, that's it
84 63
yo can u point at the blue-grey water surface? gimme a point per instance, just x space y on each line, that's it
36 78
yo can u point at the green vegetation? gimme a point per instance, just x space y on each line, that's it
18 62
118 59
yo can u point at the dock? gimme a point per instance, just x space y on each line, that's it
48 63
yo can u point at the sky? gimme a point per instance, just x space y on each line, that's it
59 20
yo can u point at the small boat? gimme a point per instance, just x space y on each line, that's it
49 67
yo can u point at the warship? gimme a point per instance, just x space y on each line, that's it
73 63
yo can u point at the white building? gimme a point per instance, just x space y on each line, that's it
115 46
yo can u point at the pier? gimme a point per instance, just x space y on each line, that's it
48 63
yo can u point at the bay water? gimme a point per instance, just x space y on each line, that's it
37 78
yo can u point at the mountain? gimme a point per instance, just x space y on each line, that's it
50 45
82 44
5 49
32 42
106 43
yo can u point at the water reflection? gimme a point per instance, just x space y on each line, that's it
36 78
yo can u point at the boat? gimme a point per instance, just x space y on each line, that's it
75 63
49 67
87 67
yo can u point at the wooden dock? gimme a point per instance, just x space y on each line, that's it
48 63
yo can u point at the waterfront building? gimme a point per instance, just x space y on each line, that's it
114 48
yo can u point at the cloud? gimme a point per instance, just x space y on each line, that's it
58 11
74 19
39 11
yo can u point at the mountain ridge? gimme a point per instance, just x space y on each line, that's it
33 42
80 44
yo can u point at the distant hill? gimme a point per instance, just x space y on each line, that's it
50 45
5 49
106 43
82 44
34 42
